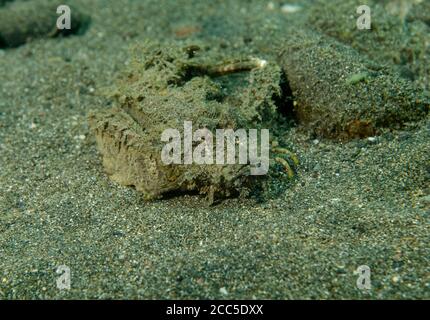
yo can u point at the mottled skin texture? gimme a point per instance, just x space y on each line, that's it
166 86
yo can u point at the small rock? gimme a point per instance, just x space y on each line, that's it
270 6
223 291
290 8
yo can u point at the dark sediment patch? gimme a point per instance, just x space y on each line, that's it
23 21
3 2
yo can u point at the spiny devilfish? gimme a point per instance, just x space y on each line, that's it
169 86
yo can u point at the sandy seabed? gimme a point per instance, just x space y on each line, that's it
353 202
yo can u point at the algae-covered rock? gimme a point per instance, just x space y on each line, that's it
338 19
398 37
169 85
419 25
341 94
23 21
